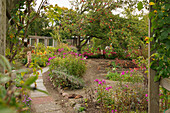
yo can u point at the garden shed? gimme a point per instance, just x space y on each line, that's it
47 41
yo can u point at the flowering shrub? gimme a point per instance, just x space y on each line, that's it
131 97
126 76
105 96
67 68
98 53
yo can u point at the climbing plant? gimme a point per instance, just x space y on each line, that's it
160 28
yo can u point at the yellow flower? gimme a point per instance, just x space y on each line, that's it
155 11
163 11
11 36
147 38
151 3
21 82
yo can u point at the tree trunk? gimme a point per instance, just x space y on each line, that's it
2 29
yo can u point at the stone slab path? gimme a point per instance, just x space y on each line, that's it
43 103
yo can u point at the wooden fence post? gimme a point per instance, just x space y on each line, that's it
153 87
2 28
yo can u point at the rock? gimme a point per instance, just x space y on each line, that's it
78 96
65 94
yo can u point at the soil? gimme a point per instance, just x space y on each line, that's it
94 71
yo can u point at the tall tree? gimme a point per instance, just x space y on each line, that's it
21 19
95 18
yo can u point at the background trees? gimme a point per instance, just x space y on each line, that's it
96 18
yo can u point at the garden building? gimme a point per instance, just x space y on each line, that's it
47 41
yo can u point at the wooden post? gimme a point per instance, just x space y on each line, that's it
2 28
45 41
153 87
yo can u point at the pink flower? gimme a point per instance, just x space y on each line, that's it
96 80
48 64
110 87
146 95
131 70
126 72
115 110
79 54
122 73
107 88
126 86
147 100
49 59
63 56
103 81
100 83
131 75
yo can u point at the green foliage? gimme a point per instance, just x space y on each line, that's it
160 42
13 92
21 18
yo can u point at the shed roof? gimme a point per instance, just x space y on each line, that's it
39 37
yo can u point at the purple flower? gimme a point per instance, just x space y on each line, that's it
29 98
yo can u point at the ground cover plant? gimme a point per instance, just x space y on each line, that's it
126 76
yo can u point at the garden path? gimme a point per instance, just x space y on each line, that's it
43 103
